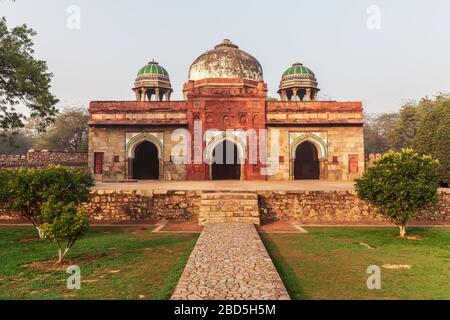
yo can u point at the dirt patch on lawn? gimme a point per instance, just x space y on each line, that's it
396 266
29 239
51 265
182 225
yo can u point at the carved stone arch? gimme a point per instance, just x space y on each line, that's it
314 139
215 141
141 137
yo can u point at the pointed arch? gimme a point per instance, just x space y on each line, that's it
314 139
138 139
215 141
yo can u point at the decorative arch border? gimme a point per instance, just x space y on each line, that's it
320 144
216 140
138 139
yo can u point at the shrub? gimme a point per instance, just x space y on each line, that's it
62 224
25 191
399 184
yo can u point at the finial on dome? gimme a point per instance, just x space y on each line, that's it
226 43
297 63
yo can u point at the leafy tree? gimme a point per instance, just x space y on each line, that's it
399 184
404 131
377 132
63 224
20 145
25 191
69 131
433 135
23 81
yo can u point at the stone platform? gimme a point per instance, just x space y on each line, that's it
230 262
227 185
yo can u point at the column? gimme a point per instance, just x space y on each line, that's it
143 95
294 95
315 91
157 94
307 95
137 95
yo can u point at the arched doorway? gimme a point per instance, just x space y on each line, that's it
306 164
226 162
146 162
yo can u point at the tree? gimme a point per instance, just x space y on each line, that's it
63 224
433 135
25 191
23 81
377 131
69 132
399 184
404 131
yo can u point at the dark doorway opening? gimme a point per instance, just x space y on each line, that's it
226 163
146 162
306 165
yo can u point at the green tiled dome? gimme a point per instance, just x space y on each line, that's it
152 69
298 69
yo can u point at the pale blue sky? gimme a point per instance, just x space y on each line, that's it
408 58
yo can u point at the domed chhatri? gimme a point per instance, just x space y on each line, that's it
152 80
298 83
226 60
152 68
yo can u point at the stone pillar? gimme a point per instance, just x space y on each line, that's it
143 94
168 95
315 92
137 95
307 95
291 168
157 94
294 95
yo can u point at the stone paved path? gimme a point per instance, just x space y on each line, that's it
230 262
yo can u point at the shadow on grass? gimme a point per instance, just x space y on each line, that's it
287 274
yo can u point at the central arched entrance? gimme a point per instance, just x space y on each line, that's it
146 162
306 164
226 162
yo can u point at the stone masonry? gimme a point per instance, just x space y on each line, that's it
229 206
230 262
303 206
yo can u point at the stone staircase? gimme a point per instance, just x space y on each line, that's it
223 206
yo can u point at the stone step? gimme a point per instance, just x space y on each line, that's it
222 206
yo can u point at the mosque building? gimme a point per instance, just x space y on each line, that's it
236 132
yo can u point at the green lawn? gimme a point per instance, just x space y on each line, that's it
330 263
115 262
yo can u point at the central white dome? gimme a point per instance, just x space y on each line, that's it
226 61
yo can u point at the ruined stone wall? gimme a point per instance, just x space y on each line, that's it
128 205
334 207
42 158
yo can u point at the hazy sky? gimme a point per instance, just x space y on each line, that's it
407 57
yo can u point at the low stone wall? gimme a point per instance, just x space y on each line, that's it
304 206
142 204
42 158
334 206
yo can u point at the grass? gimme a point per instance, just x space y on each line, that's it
115 262
331 263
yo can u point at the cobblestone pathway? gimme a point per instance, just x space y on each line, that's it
230 262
